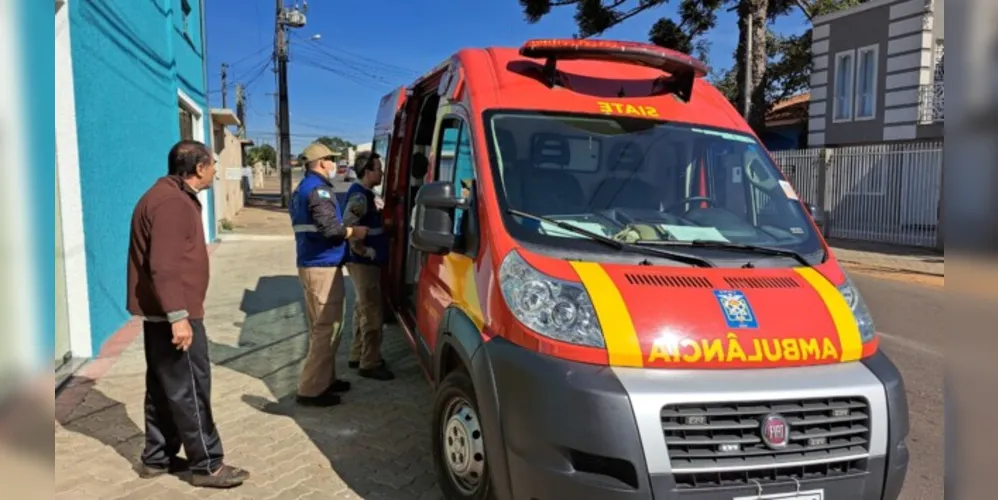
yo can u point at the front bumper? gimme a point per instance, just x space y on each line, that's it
557 429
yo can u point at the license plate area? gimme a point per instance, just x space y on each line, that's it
800 495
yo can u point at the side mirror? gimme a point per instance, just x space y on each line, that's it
433 230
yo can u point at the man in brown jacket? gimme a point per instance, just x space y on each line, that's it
167 283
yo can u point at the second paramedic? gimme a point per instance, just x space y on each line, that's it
367 257
320 240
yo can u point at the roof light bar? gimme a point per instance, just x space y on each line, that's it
683 68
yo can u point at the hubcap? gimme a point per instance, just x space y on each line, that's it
463 448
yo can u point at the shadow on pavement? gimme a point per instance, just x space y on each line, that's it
106 421
378 439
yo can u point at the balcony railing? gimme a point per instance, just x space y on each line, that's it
931 105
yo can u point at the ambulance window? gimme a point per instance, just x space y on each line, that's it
448 147
455 162
380 147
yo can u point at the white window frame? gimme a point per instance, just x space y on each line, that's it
875 49
70 192
197 113
850 86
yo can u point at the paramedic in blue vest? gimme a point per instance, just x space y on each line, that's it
321 238
367 257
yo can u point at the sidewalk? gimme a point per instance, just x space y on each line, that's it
374 446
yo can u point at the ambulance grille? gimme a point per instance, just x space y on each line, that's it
668 281
756 282
720 444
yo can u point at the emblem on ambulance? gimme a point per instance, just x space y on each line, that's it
775 431
736 308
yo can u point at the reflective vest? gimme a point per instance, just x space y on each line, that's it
376 237
314 249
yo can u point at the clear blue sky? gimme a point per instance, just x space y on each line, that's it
335 83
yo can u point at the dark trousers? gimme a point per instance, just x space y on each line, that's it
178 400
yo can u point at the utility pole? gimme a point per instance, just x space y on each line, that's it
241 109
293 18
225 83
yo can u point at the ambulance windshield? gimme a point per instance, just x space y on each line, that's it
644 182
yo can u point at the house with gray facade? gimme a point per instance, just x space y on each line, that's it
877 74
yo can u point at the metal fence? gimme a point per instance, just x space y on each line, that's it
882 193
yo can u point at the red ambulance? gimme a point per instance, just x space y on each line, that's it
617 295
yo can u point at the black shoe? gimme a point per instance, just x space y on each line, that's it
227 477
322 400
377 373
339 386
177 465
356 364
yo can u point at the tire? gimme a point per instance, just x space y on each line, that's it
455 416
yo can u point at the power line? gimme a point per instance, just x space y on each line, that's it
254 53
364 82
253 70
260 72
328 51
302 135
315 56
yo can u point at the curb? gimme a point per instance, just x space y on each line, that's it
892 270
74 390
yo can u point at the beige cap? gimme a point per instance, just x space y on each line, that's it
317 151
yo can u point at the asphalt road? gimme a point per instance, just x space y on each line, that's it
911 321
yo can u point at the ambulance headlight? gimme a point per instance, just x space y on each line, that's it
557 309
862 313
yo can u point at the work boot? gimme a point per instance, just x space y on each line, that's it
323 400
339 385
177 465
378 372
226 476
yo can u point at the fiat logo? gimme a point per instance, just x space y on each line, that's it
775 431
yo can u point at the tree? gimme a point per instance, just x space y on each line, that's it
263 153
337 144
788 71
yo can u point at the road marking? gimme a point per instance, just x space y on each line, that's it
913 345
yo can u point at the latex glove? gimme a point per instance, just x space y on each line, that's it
370 253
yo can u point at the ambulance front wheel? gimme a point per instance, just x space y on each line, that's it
458 444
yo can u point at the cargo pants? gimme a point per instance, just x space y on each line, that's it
325 299
367 314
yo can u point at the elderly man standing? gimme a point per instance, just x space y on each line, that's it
367 257
167 284
320 239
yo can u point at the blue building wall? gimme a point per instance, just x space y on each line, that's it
129 59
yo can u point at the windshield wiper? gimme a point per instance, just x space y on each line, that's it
612 243
780 252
